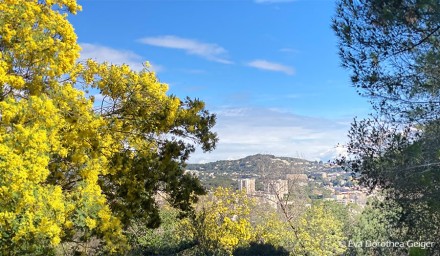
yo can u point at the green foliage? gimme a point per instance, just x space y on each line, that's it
404 163
392 49
376 223
415 251
168 239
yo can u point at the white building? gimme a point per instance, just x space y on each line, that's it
277 187
248 185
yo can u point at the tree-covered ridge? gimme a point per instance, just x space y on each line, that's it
75 170
261 164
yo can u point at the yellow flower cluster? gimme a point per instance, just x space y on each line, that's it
52 145
320 233
226 219
29 209
37 40
57 146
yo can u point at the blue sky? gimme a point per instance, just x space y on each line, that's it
269 69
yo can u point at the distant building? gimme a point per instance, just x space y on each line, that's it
248 185
277 187
357 197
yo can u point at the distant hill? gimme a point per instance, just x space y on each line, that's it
261 165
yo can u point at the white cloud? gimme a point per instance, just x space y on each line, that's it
247 131
273 1
271 66
212 52
102 53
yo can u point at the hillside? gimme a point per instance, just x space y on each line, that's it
259 165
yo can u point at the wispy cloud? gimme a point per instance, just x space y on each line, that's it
212 52
273 1
247 131
271 66
114 56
